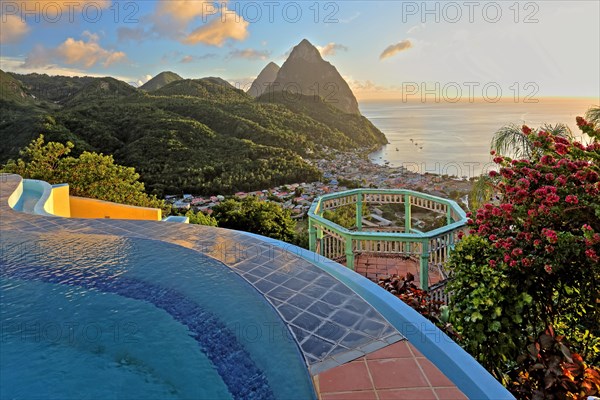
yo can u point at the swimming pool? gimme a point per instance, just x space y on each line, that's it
124 318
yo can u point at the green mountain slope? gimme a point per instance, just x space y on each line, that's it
160 80
200 136
12 89
54 89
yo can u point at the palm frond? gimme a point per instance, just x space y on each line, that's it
510 141
593 115
482 191
560 130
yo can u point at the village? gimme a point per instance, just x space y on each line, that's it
342 171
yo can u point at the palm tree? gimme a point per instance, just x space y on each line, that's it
593 115
510 140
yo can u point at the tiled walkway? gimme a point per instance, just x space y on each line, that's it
398 371
375 267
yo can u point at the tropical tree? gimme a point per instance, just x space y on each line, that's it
199 218
89 175
260 217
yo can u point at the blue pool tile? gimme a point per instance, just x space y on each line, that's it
281 293
317 347
301 301
371 327
322 309
353 340
295 284
307 321
289 312
345 318
334 298
331 331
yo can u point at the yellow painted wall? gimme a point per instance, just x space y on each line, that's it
61 201
91 208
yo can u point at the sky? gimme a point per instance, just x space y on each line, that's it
511 50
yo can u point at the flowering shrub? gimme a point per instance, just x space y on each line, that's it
543 238
405 289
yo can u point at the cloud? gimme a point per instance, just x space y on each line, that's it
331 49
187 59
395 48
216 32
190 58
143 80
249 54
185 10
12 29
84 53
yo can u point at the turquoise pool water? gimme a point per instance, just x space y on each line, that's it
100 316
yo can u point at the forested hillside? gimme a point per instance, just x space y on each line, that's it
200 136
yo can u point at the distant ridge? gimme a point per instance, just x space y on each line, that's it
266 77
12 89
160 80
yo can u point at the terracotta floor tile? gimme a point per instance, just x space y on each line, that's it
358 395
450 394
396 350
347 377
416 352
435 376
406 394
396 373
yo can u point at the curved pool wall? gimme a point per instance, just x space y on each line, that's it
462 369
459 366
33 197
40 198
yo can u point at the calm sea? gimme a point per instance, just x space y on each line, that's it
454 138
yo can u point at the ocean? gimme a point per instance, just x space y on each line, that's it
454 138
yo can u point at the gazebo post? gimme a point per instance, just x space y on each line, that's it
312 236
359 212
424 265
349 253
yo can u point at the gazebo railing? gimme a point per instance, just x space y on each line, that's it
431 248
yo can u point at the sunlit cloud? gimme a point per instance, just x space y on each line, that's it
186 10
12 29
249 54
331 49
216 32
143 80
83 53
395 49
187 59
